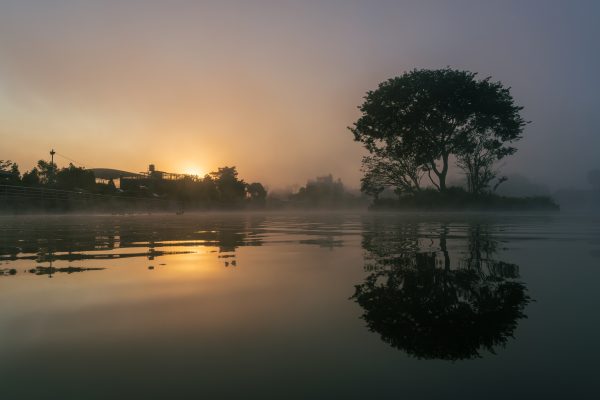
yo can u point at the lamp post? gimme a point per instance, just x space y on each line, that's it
52 153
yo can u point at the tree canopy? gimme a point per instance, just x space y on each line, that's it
416 122
9 172
231 189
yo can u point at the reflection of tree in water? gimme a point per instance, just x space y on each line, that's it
421 303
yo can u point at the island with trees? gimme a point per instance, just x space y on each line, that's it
417 126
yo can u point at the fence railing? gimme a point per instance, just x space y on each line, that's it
40 198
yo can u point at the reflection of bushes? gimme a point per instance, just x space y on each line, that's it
419 304
40 270
66 270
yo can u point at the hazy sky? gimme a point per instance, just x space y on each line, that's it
270 86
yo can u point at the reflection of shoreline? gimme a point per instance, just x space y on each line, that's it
430 307
82 256
53 270
40 270
113 239
78 239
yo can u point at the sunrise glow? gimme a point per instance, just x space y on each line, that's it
194 170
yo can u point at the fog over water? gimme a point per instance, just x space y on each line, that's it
270 86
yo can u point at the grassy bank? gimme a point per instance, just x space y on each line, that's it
457 199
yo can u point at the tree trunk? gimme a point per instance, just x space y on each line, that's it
443 173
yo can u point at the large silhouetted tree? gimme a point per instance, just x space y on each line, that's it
427 116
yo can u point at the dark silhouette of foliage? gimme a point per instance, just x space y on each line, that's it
9 172
232 191
430 115
46 172
477 161
5 165
31 178
208 190
422 303
45 187
398 170
257 194
73 177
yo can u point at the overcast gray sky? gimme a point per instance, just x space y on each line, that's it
270 86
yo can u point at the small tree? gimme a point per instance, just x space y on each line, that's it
477 161
46 172
257 192
31 178
398 170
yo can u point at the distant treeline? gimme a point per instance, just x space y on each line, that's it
47 188
322 192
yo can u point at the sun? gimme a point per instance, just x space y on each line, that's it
194 170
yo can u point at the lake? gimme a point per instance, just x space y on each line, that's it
300 306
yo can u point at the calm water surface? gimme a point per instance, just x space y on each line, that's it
314 306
